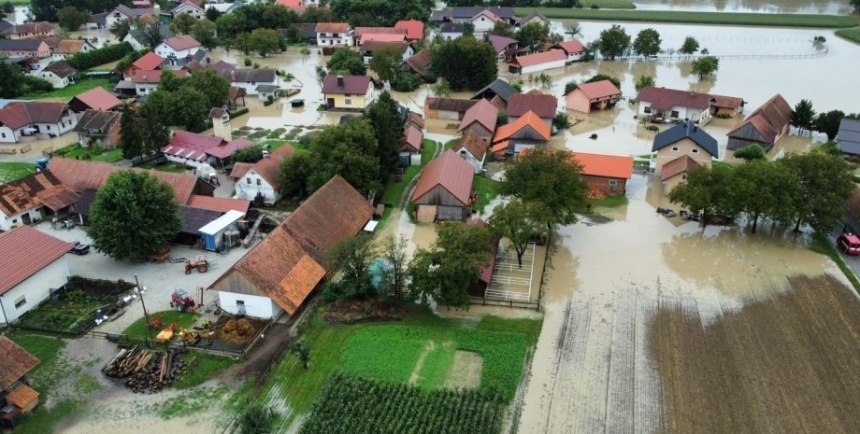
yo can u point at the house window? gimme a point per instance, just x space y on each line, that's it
613 184
248 180
647 109
347 101
4 135
674 114
259 182
20 301
674 149
695 151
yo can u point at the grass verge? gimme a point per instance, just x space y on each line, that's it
487 191
852 35
73 90
10 171
205 367
710 18
183 320
820 244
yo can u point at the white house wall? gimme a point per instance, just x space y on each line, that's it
251 87
35 289
6 222
543 66
8 135
247 188
255 306
693 114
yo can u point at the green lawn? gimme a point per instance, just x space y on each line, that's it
166 167
10 171
183 320
68 92
713 18
206 366
609 4
487 191
852 35
76 151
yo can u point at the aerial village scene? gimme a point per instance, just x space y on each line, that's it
409 216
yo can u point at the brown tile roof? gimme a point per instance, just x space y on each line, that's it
235 93
571 46
544 105
599 89
240 169
154 77
411 140
484 113
61 69
23 396
360 31
98 98
31 191
19 114
449 104
420 61
332 27
269 168
222 204
664 99
352 84
31 27
15 362
530 119
53 41
538 58
677 166
729 102
69 46
291 261
608 166
769 119
148 62
415 118
248 75
473 143
450 172
183 42
34 250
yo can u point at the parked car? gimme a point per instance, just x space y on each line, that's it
80 249
849 243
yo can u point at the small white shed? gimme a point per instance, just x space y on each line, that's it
213 233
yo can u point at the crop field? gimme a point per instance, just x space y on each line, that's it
852 35
714 18
357 405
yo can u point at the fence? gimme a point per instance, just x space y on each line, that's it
507 303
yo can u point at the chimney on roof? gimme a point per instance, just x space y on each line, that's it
233 75
339 81
144 77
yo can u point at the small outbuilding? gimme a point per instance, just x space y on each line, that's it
605 174
480 119
848 137
537 62
213 233
473 148
597 95
444 191
17 398
765 126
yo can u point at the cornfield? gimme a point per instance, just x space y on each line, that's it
356 405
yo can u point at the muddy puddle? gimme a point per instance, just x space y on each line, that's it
592 371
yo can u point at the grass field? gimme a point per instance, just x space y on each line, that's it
852 35
206 366
68 92
608 4
183 321
10 171
487 191
713 18
76 151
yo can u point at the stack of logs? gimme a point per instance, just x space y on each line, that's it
145 371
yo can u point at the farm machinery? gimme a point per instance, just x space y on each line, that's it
183 302
200 264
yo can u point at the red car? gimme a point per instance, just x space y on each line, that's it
849 243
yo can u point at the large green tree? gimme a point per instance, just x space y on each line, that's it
183 23
520 223
71 18
212 85
131 133
644 81
503 28
690 46
204 32
380 12
265 41
386 62
348 61
707 190
466 63
706 65
824 182
533 35
295 172
803 116
761 188
828 123
751 152
446 270
856 4
393 251
613 42
550 178
47 10
351 258
384 116
647 42
348 150
190 108
133 215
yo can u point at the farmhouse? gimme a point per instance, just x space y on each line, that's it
687 139
848 137
537 62
473 148
498 92
60 74
765 126
24 48
250 79
535 17
178 50
145 82
462 14
27 277
123 12
446 108
31 120
528 131
68 47
675 172
506 48
480 119
33 29
483 22
661 104
368 47
281 272
444 191
23 201
137 37
605 174
102 126
573 49
334 35
535 101
411 140
451 31
598 95
17 396
348 93
726 106
189 8
261 179
97 98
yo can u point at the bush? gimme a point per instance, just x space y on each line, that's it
595 7
406 82
111 53
36 84
247 62
256 419
654 128
238 113
251 154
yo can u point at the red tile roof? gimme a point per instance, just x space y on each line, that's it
607 166
448 104
148 62
42 188
268 168
20 114
484 113
571 46
332 27
412 138
529 119
222 204
599 89
98 98
414 29
296 5
769 119
473 143
538 58
192 146
361 31
154 77
543 105
415 118
15 362
381 37
226 149
183 42
677 166
450 172
240 169
352 84
291 261
664 99
33 251
23 396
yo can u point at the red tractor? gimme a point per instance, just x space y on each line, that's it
182 301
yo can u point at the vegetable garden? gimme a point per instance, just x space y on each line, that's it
359 405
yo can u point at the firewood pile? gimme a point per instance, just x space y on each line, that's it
146 371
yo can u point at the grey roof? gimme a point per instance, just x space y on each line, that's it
165 31
848 136
134 12
686 130
262 75
498 87
266 88
536 13
61 69
97 120
195 218
466 12
5 25
82 206
199 55
452 28
99 19
20 44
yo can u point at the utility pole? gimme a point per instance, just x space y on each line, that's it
145 312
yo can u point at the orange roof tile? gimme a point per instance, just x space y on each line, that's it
677 166
240 169
599 89
538 58
529 119
222 204
23 396
414 28
15 362
608 166
33 251
484 113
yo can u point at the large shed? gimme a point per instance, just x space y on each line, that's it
213 233
444 191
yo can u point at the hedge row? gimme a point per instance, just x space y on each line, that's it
90 59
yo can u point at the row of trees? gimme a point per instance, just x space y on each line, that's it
804 118
14 83
796 190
